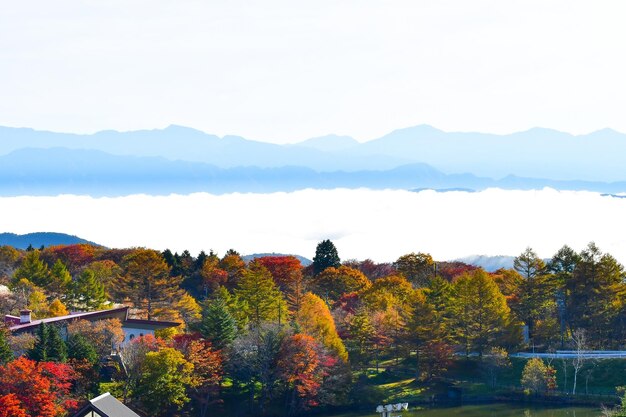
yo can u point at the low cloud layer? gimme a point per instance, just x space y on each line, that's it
380 225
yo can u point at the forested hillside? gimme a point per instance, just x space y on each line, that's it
271 337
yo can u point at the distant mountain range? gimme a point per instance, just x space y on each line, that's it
66 171
489 263
182 160
39 239
304 261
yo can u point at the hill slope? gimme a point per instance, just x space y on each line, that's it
40 239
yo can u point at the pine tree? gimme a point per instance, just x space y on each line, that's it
362 333
479 311
261 298
596 291
80 348
49 346
6 354
326 256
39 352
439 295
33 269
88 293
217 324
60 279
57 349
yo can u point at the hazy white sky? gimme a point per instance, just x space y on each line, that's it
284 70
381 225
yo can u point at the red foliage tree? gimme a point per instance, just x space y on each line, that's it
212 275
74 257
299 368
36 389
287 274
450 270
284 269
436 359
371 269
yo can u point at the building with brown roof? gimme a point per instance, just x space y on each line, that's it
132 327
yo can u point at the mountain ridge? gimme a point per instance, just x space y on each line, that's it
536 152
57 171
38 239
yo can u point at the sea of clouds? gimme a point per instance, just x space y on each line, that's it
380 225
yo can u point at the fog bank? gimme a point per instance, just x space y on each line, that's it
380 225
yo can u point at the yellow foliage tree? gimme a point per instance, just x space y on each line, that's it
314 319
57 308
38 304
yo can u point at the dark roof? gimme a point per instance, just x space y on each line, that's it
150 323
106 406
122 312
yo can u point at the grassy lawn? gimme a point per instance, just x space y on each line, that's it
599 376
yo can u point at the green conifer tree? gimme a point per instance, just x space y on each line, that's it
39 352
80 348
217 324
326 256
6 354
88 293
60 279
261 299
33 269
57 349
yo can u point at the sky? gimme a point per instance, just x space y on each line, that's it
283 71
380 225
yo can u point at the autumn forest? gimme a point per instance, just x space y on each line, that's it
272 337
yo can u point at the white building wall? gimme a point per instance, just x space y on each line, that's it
131 333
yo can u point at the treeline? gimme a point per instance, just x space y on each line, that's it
280 336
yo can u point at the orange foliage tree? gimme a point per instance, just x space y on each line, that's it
207 368
36 389
147 282
332 283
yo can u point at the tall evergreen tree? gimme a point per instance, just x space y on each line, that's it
80 348
326 256
33 269
362 334
596 290
261 298
217 324
439 295
39 352
87 292
57 349
562 267
534 296
6 354
49 345
60 279
480 312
